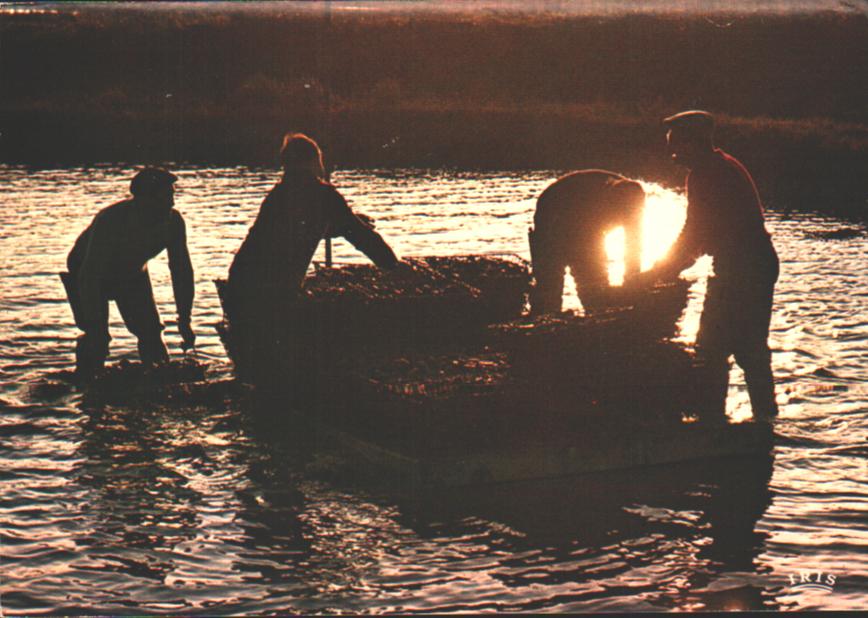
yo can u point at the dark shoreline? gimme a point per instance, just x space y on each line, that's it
796 168
467 90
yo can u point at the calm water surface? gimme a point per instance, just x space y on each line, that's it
191 508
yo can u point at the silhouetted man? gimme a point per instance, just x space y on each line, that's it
300 211
110 262
572 218
725 220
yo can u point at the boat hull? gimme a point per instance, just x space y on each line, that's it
484 393
409 472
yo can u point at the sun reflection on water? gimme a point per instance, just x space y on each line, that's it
662 220
199 510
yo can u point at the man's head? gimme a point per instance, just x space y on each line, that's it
156 185
299 153
690 136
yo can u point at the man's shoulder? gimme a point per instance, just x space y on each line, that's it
578 185
176 222
724 157
308 187
117 208
325 187
723 163
721 177
588 177
733 170
715 166
330 195
114 213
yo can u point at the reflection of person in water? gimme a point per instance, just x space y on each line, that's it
109 262
136 497
745 482
725 220
688 523
300 211
572 217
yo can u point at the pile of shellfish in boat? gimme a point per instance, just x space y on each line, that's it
444 296
449 329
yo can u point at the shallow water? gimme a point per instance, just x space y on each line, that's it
119 509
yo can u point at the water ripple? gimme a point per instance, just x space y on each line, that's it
171 509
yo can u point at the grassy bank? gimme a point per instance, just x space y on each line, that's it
470 90
803 164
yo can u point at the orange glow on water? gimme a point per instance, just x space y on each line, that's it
615 252
661 222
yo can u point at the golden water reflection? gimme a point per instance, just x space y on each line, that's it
662 220
201 510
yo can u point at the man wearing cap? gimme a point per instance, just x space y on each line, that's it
725 220
109 261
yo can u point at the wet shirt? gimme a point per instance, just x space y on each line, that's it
121 242
584 203
725 220
117 246
295 216
574 213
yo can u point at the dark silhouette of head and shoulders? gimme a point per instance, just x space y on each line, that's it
301 209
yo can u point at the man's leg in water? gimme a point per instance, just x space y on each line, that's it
757 366
712 352
548 272
135 299
91 348
752 351
588 267
91 351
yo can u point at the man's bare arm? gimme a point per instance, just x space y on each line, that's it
681 256
686 249
360 234
369 242
181 269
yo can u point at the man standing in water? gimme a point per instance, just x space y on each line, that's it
724 220
572 217
110 262
268 271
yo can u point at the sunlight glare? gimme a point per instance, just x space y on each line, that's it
571 300
664 216
662 220
615 244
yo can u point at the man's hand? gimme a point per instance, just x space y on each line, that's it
400 266
188 337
